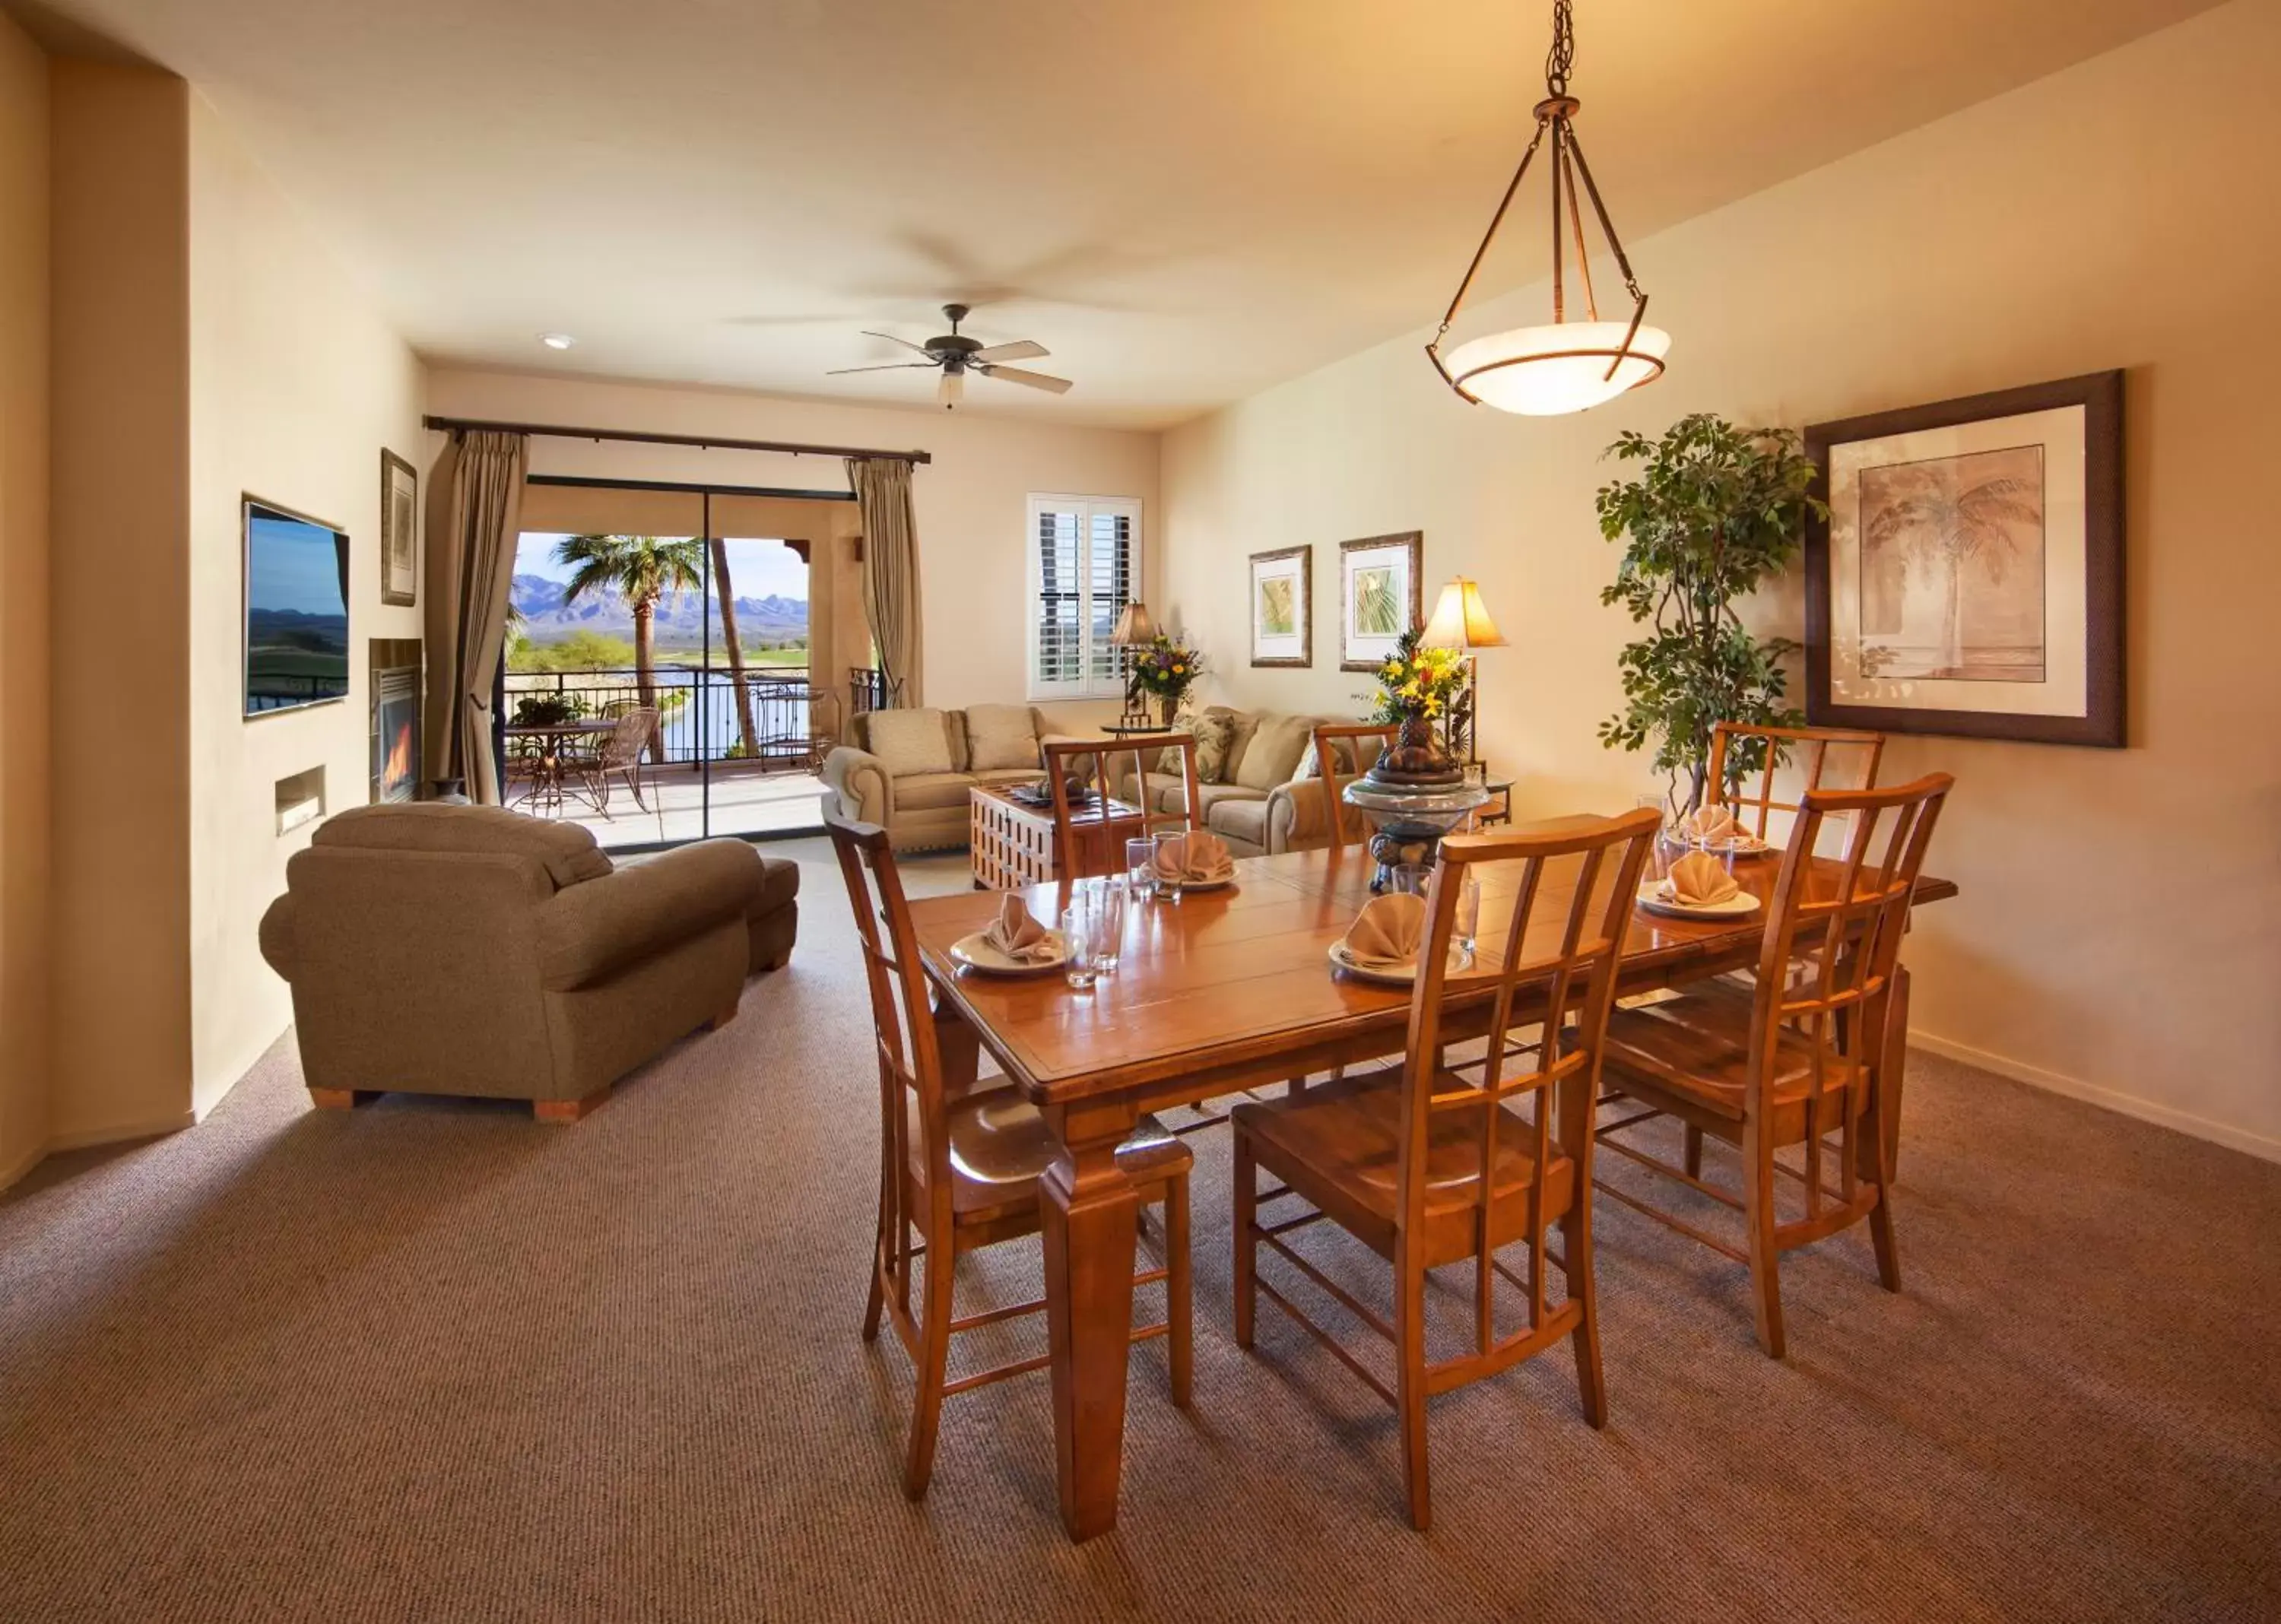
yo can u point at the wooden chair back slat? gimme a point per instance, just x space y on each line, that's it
1580 975
1326 737
1089 838
1739 749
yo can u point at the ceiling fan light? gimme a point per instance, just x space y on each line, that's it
1559 367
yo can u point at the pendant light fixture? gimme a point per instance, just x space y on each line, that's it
1568 366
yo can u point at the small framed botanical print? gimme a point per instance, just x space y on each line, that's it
1283 608
1968 579
1381 595
399 530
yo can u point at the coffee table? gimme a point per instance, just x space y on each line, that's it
1012 842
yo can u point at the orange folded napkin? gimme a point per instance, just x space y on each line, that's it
1193 859
1699 880
1713 826
1018 935
1388 932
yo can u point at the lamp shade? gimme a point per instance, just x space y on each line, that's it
1461 620
1133 627
1563 367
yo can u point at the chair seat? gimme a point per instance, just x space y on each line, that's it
1696 1049
1000 1143
1339 1146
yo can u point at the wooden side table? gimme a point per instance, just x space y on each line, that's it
1012 843
1498 808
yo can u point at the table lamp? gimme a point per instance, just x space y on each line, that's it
1134 630
1461 621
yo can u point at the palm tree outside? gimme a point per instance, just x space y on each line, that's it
728 597
644 571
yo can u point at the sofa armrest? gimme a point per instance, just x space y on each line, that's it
867 794
589 932
277 937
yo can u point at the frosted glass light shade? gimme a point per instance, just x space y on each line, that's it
1545 371
1461 620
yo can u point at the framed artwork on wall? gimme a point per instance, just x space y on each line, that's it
1283 608
1381 595
399 530
1968 579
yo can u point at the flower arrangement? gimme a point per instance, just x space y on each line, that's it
1418 683
1167 668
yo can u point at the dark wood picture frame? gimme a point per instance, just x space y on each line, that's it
1305 657
2099 394
400 589
1415 541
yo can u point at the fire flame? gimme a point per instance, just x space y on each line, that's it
397 768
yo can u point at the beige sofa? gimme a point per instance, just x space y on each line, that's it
1259 804
910 770
467 950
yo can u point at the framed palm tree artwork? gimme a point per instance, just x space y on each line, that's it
1282 607
1967 577
1381 595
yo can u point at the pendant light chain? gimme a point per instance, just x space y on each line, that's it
1561 60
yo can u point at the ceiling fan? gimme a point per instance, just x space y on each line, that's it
954 356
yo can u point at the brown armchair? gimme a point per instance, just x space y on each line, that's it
467 950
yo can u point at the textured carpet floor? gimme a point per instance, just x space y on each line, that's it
431 1360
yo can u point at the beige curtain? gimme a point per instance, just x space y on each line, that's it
474 505
891 570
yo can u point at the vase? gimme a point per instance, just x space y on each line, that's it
1168 707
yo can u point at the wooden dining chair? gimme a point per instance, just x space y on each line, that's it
1427 1167
1740 748
1328 737
1790 1058
1090 836
957 1174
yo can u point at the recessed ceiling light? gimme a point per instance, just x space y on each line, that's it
557 341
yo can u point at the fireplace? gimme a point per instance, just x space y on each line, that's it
395 719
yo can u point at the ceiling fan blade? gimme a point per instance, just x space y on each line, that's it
952 389
891 339
1033 380
1020 350
842 372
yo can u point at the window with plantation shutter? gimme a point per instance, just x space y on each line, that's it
1085 566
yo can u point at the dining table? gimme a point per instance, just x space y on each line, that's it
1216 992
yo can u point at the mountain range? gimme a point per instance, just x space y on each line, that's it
680 618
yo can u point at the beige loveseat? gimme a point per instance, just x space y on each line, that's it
1257 802
467 950
910 770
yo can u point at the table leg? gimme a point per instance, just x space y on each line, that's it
1090 1210
958 1048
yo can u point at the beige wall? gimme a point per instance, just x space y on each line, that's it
970 502
120 902
24 852
2120 931
296 385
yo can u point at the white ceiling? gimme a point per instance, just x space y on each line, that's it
1185 200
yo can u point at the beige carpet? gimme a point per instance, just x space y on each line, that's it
433 1361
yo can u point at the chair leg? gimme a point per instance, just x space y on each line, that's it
1409 1383
1694 1151
876 1300
1246 1221
1874 1165
933 1365
1766 1258
1576 1253
1179 1291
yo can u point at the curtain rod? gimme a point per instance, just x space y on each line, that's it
704 441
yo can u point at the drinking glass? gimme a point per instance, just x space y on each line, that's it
1140 866
1078 935
1109 922
1414 878
1464 929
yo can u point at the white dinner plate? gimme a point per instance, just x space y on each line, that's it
1738 906
1406 975
976 953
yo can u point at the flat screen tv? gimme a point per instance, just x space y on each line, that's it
296 610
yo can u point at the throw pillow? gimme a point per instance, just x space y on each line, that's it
1000 737
909 742
1215 731
1273 754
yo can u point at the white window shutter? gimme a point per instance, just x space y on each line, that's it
1084 566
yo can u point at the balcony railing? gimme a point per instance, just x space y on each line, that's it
698 719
